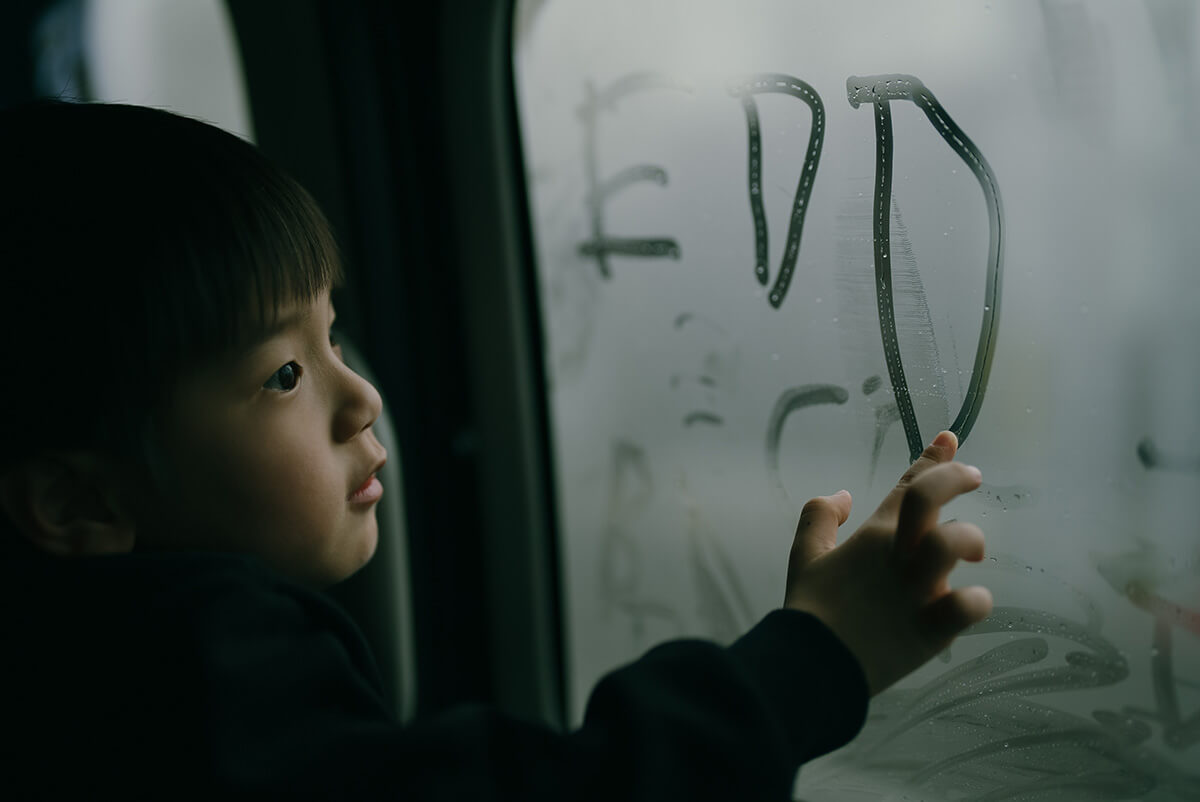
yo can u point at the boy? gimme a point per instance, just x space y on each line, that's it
185 458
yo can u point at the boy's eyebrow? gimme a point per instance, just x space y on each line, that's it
284 323
279 325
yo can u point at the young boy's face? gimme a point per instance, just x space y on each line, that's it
271 452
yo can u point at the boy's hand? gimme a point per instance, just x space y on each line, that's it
884 591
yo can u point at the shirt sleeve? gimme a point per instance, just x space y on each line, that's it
292 710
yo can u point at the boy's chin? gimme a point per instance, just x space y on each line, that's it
354 555
340 562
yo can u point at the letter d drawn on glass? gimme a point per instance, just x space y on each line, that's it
785 84
880 90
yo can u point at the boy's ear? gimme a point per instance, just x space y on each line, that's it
69 504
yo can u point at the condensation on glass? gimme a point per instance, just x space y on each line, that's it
181 56
781 245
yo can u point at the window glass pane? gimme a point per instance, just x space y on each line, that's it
177 55
781 245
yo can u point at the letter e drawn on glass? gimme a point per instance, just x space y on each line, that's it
746 89
601 245
880 90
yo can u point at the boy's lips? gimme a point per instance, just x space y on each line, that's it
371 489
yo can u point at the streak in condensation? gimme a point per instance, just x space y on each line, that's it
961 683
789 401
880 90
701 416
621 567
1153 458
991 675
746 89
1178 732
1119 783
627 177
885 416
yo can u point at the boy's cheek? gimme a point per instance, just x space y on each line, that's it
267 484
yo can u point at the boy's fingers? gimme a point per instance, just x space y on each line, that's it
924 499
816 533
943 546
941 450
953 612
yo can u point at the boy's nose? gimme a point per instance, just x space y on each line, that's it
360 408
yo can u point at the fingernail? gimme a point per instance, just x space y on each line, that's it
944 439
978 474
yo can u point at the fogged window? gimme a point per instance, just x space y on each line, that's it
781 245
168 53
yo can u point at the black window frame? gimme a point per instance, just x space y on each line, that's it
402 121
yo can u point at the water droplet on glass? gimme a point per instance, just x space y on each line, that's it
774 357
1028 410
1029 568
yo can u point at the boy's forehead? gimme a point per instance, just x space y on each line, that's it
293 314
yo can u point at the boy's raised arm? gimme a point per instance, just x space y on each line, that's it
690 719
250 686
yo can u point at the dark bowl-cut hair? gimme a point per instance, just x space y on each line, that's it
135 245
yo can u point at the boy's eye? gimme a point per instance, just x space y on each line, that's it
284 379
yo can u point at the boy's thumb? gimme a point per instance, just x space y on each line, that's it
816 533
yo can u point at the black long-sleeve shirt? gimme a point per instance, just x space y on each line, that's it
208 676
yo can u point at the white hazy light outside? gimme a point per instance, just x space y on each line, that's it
181 56
713 41
707 42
